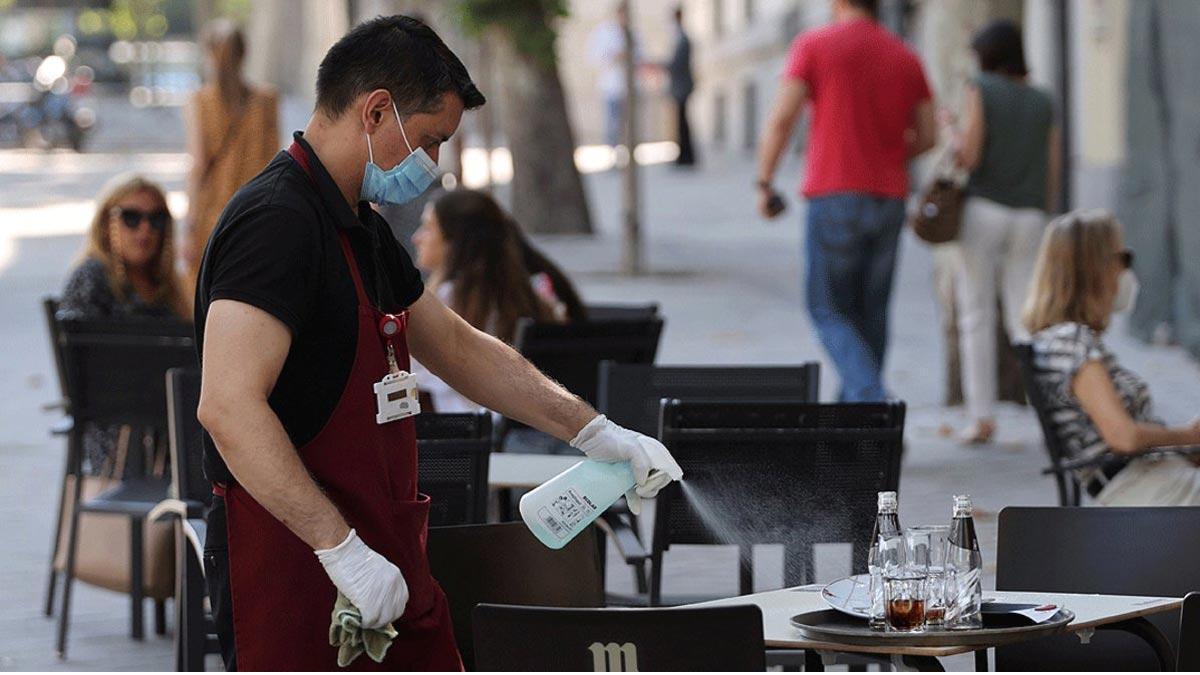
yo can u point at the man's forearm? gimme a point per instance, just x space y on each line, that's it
261 457
495 376
771 149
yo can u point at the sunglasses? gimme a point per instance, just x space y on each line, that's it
1125 258
132 218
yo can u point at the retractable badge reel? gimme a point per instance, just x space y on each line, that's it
396 394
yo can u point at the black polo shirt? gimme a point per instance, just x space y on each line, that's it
276 247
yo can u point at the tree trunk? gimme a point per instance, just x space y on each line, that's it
547 191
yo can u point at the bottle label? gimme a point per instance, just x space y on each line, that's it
567 511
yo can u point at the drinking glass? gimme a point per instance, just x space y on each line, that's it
889 557
904 599
925 548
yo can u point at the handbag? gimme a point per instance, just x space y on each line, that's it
102 541
938 216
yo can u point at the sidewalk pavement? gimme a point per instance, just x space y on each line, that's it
729 287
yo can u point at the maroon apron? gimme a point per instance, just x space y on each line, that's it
282 598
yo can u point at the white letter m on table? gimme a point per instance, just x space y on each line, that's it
614 658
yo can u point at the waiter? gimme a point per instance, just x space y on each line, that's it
306 310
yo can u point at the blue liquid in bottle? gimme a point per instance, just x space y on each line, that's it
565 505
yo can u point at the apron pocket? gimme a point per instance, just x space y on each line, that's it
411 520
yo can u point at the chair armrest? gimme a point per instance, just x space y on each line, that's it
175 508
623 535
1073 464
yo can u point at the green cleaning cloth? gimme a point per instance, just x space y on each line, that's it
347 634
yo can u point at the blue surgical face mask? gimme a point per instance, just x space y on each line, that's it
403 182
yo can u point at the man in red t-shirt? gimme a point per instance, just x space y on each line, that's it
871 113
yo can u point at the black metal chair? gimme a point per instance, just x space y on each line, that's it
545 639
62 428
1065 476
504 563
571 353
796 474
1189 635
620 312
115 374
453 450
631 395
195 633
1122 551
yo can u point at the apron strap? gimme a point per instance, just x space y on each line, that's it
299 154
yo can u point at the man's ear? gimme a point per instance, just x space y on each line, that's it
376 106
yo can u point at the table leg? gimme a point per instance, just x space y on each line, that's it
908 664
981 661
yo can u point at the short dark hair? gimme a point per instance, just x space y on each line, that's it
1000 49
397 53
869 6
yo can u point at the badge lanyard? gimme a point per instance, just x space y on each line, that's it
390 326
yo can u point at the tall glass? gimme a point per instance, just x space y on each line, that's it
925 550
889 559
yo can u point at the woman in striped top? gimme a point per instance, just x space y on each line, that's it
1100 409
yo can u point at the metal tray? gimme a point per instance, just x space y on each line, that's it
829 625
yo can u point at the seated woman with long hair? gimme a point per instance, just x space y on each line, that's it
478 264
128 264
127 272
1101 410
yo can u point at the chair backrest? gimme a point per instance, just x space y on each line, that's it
453 450
50 311
666 640
1189 634
571 353
621 312
116 369
631 394
1122 551
769 472
504 563
187 436
1067 482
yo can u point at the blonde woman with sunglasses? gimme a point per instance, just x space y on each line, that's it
1101 411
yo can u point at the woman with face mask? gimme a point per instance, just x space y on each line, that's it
1082 276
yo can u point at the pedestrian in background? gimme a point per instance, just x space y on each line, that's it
682 83
871 113
1008 142
608 52
232 133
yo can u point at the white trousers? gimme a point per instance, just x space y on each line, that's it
1168 480
999 245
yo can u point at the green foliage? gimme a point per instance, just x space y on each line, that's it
528 24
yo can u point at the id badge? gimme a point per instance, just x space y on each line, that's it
396 397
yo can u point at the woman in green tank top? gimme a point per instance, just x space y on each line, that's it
1009 144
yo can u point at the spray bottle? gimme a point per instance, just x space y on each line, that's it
565 505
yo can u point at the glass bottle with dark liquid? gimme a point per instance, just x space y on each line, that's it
964 568
887 522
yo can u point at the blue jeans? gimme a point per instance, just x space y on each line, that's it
851 254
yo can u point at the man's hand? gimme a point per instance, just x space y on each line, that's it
770 204
653 466
374 585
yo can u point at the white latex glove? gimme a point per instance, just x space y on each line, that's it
653 466
367 579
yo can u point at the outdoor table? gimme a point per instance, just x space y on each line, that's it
1091 612
526 470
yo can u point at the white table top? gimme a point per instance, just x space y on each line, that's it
778 607
519 470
